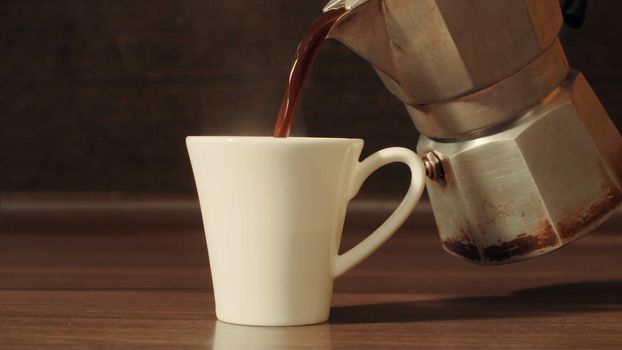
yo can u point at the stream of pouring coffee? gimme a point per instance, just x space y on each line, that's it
303 60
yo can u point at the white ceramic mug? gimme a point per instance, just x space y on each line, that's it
273 211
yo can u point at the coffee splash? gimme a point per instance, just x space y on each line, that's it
303 60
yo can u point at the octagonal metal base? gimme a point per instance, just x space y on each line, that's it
532 185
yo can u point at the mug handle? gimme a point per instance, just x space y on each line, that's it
365 248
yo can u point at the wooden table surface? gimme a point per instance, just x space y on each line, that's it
90 282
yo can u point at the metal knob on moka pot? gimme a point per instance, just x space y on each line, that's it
521 156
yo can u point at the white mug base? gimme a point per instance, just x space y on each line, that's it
294 320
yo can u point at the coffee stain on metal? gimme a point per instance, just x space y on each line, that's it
486 218
547 238
523 244
463 246
578 223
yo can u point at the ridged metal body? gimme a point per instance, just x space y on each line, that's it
529 157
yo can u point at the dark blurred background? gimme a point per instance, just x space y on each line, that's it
99 95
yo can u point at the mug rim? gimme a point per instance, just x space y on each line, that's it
272 139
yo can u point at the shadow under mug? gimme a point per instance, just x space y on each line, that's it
273 211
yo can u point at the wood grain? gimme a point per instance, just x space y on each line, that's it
109 286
